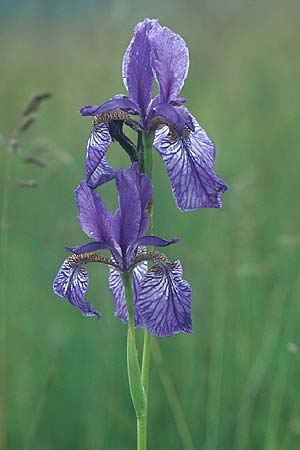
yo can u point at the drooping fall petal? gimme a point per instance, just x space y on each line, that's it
117 289
164 300
98 170
71 283
189 161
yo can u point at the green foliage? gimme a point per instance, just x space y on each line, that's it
237 376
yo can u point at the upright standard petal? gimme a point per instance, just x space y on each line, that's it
145 190
71 283
189 160
164 300
127 219
143 184
137 71
169 60
95 219
97 168
117 289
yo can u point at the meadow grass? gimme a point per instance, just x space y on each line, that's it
237 376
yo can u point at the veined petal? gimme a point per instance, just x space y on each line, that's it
95 219
117 289
97 168
156 241
136 69
189 161
170 62
118 101
71 283
164 300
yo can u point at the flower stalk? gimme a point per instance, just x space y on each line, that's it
148 157
148 160
136 387
147 336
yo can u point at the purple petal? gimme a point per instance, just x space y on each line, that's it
143 183
170 62
145 190
71 283
137 71
187 117
174 115
117 289
155 241
93 216
178 116
87 248
127 219
179 100
117 102
164 301
97 169
189 161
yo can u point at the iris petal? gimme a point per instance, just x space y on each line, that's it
170 62
71 283
127 218
177 116
189 161
174 115
131 221
97 168
117 289
145 190
118 101
93 216
87 248
137 71
156 241
164 301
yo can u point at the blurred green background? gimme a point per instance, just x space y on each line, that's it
237 376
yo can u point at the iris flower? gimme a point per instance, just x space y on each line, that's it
156 52
162 299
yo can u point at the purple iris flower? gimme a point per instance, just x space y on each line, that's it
156 52
162 299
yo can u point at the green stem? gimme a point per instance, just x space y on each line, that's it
142 432
147 336
146 360
136 387
148 158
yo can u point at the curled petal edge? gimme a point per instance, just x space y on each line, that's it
71 283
